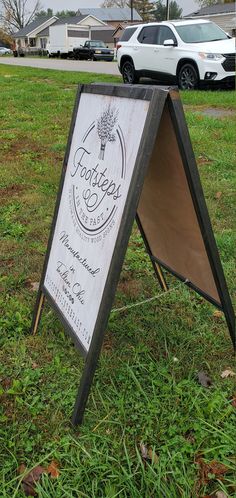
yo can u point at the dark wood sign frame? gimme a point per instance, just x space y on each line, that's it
158 98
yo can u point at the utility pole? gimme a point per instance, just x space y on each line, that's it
131 11
167 10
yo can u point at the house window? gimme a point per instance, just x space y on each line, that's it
32 42
43 43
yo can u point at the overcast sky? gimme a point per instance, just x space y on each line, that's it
188 6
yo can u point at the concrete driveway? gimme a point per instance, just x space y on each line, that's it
98 67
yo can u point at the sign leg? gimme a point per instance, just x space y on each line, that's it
157 268
37 312
84 389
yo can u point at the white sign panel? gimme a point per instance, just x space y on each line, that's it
102 156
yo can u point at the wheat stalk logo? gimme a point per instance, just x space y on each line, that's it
105 126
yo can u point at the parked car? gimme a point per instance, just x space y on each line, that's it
5 51
95 50
184 52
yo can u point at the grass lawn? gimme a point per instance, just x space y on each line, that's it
151 430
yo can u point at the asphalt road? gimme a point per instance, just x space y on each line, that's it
99 67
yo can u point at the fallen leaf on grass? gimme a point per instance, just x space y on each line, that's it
221 494
148 454
30 479
152 456
204 379
33 286
233 401
218 314
6 383
144 451
204 159
218 494
53 469
34 365
227 373
218 195
211 470
21 469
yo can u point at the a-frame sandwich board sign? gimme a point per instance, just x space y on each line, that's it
128 152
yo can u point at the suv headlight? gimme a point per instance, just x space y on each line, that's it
212 57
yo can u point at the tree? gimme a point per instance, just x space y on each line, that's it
115 3
65 13
44 13
145 9
5 39
175 12
15 14
207 3
61 13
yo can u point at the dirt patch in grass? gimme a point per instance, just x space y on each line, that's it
218 113
10 262
23 146
131 288
203 160
11 190
212 112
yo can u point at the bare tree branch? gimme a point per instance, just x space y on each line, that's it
14 14
114 3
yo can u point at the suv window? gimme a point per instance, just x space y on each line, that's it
165 33
126 35
198 33
148 35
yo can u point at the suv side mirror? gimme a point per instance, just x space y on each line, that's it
169 43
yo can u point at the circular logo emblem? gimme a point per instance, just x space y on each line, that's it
98 174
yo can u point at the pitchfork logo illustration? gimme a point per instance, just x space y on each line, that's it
105 126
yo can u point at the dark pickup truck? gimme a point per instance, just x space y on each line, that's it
95 50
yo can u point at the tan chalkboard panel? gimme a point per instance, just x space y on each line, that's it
168 216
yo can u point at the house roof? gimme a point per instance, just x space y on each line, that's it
219 8
111 14
120 27
62 20
70 20
32 26
45 30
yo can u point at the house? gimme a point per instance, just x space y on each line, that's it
222 14
34 36
112 16
118 32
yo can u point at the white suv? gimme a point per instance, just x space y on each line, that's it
187 52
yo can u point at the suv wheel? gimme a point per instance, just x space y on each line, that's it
188 77
128 73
